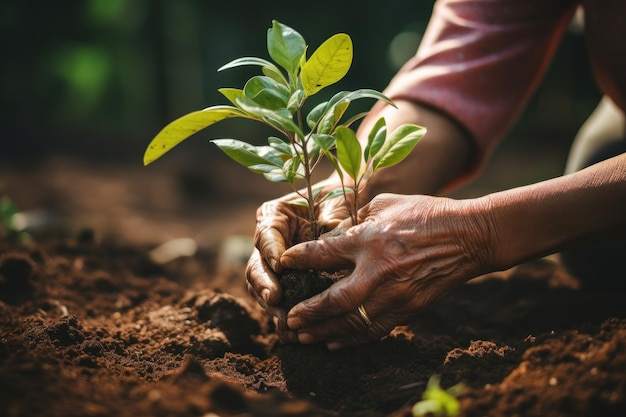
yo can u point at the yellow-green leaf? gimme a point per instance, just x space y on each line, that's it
328 64
185 126
232 94
349 152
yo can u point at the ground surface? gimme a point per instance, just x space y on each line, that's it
93 324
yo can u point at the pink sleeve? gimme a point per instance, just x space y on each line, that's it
480 60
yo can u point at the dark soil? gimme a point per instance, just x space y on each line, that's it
297 285
91 325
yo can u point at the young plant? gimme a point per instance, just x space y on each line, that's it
9 224
437 401
279 98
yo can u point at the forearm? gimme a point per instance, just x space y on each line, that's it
552 215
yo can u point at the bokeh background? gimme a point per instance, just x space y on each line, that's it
85 85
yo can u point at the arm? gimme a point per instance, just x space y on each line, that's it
553 215
410 250
477 64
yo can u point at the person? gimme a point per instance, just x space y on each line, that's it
475 69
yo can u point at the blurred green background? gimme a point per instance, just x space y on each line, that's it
98 78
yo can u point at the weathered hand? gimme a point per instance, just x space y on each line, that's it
406 252
280 224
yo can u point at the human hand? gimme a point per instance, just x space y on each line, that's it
281 224
406 252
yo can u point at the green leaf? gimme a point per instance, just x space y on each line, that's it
398 145
367 93
438 401
338 105
185 126
275 176
325 142
354 118
267 93
281 118
267 67
292 169
240 62
375 138
301 64
280 145
338 192
275 74
271 154
332 117
244 153
285 46
349 152
262 168
328 64
232 94
8 210
295 101
313 151
316 114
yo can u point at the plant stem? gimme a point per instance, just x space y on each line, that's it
309 193
314 232
354 213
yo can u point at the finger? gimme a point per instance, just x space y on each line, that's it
279 318
343 297
262 281
276 224
271 246
348 330
321 254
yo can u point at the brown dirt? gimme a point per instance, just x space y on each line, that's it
90 325
297 285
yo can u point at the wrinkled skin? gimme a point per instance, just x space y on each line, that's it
281 224
406 252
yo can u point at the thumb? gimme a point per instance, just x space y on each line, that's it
328 254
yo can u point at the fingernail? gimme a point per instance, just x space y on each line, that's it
305 338
333 346
265 294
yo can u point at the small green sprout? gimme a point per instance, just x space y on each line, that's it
307 132
9 224
437 401
8 210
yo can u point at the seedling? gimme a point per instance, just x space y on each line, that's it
8 211
9 224
279 98
437 401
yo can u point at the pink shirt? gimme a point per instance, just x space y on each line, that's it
480 60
